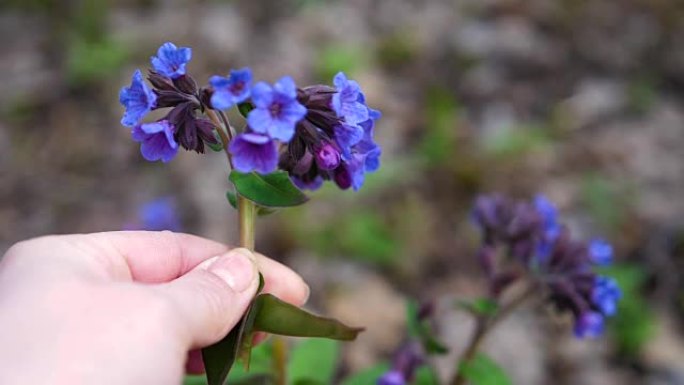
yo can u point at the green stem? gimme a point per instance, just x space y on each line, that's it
483 325
246 218
279 360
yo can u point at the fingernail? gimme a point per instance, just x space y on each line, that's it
237 268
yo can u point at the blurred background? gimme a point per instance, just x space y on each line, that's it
582 100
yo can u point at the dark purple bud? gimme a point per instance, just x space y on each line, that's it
486 256
186 84
304 163
205 130
343 177
161 83
327 157
170 98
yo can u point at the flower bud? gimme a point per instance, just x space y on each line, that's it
327 157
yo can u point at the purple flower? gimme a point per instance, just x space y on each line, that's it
550 227
156 140
606 294
393 377
159 214
589 325
348 102
277 109
600 252
254 152
171 60
327 157
138 99
346 136
231 90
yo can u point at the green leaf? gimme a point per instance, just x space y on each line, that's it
368 376
245 108
260 210
272 190
422 330
216 147
279 317
313 361
480 306
425 375
482 370
219 358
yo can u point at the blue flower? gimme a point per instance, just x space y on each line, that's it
600 252
138 99
550 227
348 101
347 135
254 152
393 377
231 90
277 109
159 214
156 140
171 60
606 295
589 325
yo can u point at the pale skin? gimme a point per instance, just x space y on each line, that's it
123 308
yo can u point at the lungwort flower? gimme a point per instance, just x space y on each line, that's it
138 99
229 91
277 110
171 60
156 140
550 257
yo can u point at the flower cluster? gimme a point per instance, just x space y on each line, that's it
314 133
532 235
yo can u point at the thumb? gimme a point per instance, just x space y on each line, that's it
211 298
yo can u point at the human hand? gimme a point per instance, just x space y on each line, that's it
124 307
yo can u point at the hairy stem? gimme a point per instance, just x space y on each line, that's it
484 325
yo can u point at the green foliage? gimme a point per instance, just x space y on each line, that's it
513 142
634 324
422 330
334 58
439 141
368 376
313 361
89 61
275 316
359 234
425 376
272 190
260 210
482 370
480 306
245 108
605 201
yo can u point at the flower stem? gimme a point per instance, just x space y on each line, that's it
279 360
246 219
483 325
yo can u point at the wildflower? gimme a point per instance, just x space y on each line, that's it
589 325
348 100
138 100
156 140
254 152
171 60
277 110
231 90
532 235
600 252
333 131
606 294
393 377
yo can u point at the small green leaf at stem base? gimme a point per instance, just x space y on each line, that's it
482 370
271 190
